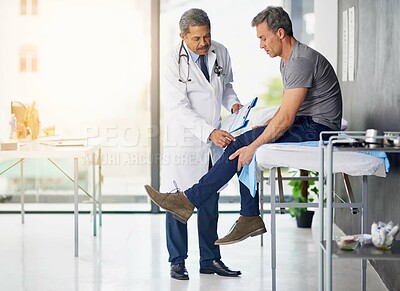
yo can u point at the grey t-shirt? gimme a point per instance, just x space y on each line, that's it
307 68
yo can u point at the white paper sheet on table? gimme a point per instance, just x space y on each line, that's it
307 158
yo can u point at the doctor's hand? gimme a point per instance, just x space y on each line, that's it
221 138
236 107
244 154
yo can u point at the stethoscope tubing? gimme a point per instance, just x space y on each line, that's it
218 70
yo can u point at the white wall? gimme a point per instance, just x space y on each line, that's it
326 29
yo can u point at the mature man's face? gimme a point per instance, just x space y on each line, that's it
269 41
198 39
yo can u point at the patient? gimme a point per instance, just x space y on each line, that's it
311 103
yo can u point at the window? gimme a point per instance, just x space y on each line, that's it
303 20
92 72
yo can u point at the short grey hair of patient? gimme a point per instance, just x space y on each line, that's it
193 17
275 17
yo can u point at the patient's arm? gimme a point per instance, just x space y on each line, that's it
269 120
282 120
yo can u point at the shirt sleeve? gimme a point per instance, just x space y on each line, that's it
300 74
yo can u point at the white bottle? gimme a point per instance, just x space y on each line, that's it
13 127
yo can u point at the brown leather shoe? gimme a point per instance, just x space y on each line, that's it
243 228
176 203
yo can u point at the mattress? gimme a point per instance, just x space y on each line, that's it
307 158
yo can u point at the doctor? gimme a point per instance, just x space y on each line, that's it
196 82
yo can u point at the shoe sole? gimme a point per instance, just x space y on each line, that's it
175 215
254 233
219 274
180 278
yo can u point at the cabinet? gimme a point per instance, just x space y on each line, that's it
328 249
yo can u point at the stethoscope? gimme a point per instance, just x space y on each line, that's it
218 70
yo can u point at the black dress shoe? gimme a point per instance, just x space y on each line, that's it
219 268
179 272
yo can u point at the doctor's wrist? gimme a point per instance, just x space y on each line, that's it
209 136
235 107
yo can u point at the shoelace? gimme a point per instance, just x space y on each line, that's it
174 191
232 227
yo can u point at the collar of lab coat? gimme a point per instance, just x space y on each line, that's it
211 56
195 57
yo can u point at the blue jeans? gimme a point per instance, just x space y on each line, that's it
303 129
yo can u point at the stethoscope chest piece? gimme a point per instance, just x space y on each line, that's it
218 70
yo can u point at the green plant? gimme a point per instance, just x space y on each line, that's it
301 191
273 94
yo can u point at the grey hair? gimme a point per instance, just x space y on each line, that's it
193 17
275 17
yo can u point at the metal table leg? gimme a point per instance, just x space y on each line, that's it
261 196
94 194
321 217
364 229
22 191
273 228
99 199
76 210
329 212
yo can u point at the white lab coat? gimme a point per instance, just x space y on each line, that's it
192 112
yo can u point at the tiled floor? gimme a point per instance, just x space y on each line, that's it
129 253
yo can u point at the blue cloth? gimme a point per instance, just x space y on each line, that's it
303 129
248 176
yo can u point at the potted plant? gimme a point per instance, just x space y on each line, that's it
302 193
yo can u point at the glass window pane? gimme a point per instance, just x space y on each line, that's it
89 76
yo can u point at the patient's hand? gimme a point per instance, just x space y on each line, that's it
244 154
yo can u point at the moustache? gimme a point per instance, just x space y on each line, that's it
203 47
